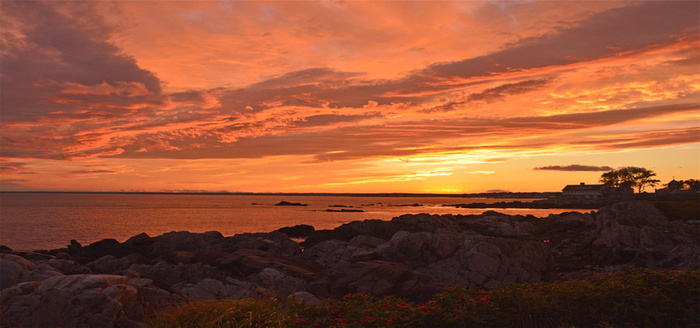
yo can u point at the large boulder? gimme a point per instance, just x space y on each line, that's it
298 231
379 278
12 267
638 233
80 301
470 260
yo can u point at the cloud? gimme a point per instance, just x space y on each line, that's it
8 167
68 93
608 33
52 65
573 167
93 171
508 89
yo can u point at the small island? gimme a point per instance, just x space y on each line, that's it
286 203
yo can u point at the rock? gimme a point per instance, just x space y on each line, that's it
11 269
281 282
77 301
298 231
469 260
165 275
139 240
75 283
338 253
426 222
377 278
286 203
638 233
346 232
305 298
184 241
109 264
210 289
273 242
74 246
40 273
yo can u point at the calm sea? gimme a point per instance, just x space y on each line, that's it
32 221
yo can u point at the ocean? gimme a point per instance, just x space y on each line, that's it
34 221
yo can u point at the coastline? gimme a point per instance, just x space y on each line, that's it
411 256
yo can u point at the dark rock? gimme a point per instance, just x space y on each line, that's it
274 242
11 269
638 233
80 301
286 203
377 278
298 231
374 228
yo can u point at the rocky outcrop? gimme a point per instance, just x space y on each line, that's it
109 283
81 301
640 234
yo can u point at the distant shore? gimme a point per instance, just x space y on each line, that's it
464 195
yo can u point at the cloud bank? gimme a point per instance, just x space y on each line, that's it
573 167
90 82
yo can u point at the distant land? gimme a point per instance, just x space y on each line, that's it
461 195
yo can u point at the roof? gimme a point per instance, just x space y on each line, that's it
579 187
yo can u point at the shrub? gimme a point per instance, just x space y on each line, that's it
629 298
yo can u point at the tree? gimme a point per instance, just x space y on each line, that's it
629 177
692 184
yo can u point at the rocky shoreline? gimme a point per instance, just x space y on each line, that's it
109 283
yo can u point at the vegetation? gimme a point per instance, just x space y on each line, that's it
629 177
683 210
690 184
630 298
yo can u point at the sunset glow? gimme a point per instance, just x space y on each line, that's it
345 96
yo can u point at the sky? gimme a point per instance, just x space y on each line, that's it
345 96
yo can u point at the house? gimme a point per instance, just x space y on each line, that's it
583 190
675 191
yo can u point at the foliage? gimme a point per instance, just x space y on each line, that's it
628 177
690 184
629 298
683 210
225 314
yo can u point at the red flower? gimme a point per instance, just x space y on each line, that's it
299 321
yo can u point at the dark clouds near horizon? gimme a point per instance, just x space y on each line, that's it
574 167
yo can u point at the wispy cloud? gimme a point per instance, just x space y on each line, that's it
315 81
573 167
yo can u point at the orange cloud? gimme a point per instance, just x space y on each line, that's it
360 83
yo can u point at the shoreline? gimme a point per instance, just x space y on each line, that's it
413 256
447 195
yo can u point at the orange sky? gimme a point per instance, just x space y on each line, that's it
345 96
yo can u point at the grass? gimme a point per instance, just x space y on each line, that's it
630 298
683 210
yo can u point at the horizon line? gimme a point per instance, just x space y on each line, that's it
358 194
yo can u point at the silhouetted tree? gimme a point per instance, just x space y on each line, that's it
692 184
629 177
